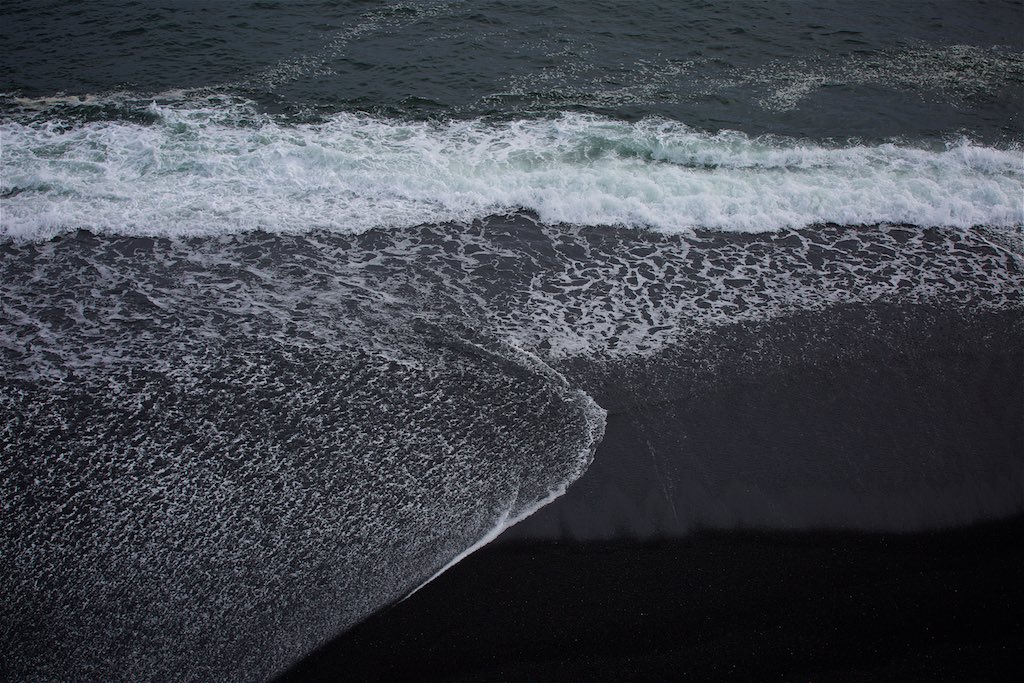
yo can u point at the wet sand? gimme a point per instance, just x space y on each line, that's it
717 605
660 562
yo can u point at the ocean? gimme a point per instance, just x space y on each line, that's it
303 303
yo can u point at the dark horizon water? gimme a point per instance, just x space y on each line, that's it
811 70
303 302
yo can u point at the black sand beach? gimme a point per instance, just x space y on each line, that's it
898 418
739 605
890 400
672 339
869 417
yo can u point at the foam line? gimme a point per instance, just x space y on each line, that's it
516 511
216 168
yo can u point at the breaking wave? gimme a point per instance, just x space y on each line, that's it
219 166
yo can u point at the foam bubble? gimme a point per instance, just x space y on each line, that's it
220 167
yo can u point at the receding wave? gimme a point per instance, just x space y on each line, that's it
224 487
186 170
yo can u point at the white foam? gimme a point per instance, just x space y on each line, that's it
213 169
516 510
950 72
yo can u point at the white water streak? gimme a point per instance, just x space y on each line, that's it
216 169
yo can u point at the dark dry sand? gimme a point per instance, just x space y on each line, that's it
740 605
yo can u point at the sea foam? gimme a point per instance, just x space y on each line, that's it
188 170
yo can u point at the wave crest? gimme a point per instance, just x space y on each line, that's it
222 167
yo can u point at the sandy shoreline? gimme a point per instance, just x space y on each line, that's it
718 605
902 422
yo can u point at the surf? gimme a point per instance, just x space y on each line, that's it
219 166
